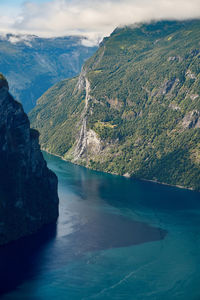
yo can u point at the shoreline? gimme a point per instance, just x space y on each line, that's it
167 184
127 177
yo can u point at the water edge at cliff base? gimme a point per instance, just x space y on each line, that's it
116 238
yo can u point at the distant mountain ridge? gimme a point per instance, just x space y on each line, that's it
135 108
33 64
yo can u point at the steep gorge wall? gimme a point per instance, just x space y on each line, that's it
140 116
28 189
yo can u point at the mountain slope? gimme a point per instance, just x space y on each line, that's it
28 189
32 64
135 108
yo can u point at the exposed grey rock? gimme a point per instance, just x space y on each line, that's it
81 146
174 106
127 175
93 142
191 120
175 58
167 87
190 75
194 96
27 186
81 80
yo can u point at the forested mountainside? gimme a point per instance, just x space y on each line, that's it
32 64
135 108
28 189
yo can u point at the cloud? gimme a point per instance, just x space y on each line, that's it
93 18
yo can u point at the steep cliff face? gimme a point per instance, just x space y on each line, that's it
135 108
28 189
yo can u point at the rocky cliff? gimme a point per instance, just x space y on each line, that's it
135 108
28 189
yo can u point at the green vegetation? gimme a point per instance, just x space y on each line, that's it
3 81
2 77
144 105
33 64
59 130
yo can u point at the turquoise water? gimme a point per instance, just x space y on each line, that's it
116 238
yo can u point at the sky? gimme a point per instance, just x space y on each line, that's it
92 18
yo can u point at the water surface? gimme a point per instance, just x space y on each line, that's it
116 238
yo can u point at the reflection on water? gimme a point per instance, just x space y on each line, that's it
112 231
21 260
91 230
98 213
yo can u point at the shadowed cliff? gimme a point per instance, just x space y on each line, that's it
28 189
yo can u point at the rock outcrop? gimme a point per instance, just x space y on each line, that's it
28 189
135 108
191 120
